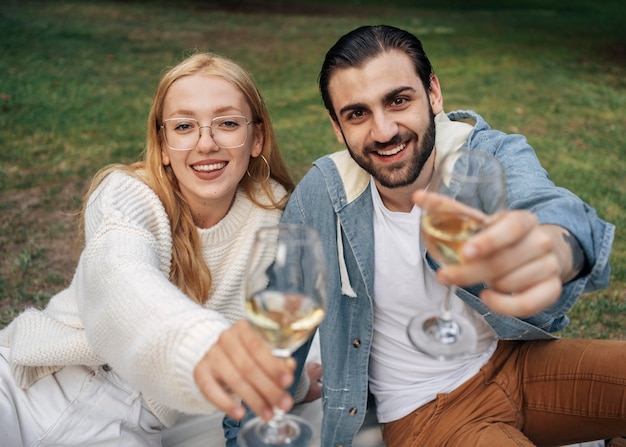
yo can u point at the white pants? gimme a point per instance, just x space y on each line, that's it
206 430
76 406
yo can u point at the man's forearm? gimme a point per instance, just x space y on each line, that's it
568 251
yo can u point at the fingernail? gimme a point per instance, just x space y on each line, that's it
285 403
286 380
267 414
469 251
239 413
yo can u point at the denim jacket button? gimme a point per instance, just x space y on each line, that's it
353 411
356 343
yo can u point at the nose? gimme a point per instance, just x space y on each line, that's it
206 142
384 127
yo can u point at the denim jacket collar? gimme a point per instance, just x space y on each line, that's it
450 136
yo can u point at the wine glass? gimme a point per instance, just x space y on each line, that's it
285 302
471 190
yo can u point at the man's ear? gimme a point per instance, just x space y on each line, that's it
337 129
435 96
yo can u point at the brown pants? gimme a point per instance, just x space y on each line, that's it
545 393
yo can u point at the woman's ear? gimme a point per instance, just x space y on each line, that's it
165 156
259 139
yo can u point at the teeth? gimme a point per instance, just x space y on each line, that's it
392 151
207 168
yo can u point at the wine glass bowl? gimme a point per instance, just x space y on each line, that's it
470 191
285 303
444 234
285 320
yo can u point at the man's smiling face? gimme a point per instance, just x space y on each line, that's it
386 117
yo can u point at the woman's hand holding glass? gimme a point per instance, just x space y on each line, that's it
241 365
285 302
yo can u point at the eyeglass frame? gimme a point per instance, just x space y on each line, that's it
162 127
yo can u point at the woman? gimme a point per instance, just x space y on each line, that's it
146 330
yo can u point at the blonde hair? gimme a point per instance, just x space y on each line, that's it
188 269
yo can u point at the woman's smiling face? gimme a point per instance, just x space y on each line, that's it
207 174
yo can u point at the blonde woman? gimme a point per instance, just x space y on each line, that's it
150 326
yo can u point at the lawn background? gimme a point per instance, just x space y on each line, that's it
77 79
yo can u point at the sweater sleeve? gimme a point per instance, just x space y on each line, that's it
135 319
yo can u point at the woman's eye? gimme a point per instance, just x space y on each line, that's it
184 127
229 123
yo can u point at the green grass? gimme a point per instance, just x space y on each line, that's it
77 78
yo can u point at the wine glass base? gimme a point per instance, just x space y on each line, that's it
293 431
444 339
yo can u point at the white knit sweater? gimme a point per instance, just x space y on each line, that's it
121 309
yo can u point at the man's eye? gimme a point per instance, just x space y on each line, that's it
399 101
357 114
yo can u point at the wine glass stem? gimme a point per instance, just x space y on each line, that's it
278 428
446 308
278 420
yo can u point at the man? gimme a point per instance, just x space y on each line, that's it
385 104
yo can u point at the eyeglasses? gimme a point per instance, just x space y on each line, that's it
228 132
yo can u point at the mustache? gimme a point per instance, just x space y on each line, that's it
396 140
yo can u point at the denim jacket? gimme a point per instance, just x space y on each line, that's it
335 198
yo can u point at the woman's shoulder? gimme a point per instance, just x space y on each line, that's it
125 181
124 196
123 187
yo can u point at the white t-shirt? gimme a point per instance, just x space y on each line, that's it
402 378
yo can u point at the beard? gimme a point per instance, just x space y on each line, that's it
402 173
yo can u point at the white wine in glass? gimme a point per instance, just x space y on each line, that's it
284 320
471 190
285 302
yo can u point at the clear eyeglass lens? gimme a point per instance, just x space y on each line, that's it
227 132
